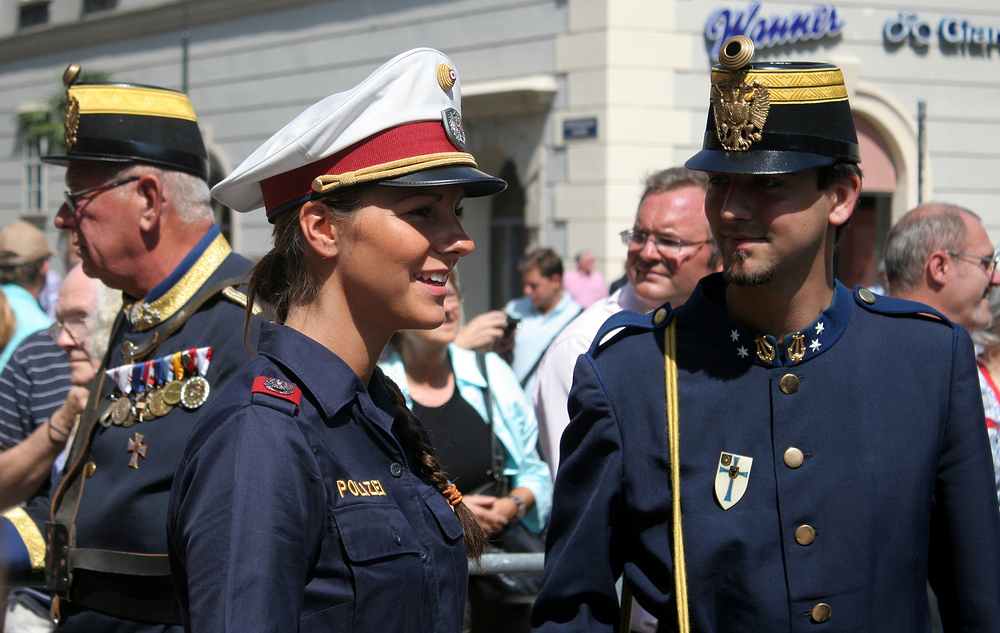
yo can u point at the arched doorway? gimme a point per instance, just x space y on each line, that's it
508 238
859 250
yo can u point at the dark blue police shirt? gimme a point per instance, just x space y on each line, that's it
895 477
310 517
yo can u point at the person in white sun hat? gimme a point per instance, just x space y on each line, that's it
307 498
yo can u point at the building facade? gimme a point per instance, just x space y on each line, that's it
572 101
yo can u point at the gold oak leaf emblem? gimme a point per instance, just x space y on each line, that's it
740 111
72 121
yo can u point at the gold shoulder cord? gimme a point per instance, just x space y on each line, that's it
673 436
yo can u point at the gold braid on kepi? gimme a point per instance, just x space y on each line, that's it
119 123
774 117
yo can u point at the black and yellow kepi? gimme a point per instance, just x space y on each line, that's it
114 122
775 117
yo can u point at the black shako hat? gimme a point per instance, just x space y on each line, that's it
113 122
775 117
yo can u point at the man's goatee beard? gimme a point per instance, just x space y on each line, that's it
746 278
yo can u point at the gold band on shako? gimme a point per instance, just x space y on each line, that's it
112 122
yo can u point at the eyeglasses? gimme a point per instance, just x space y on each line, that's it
77 328
988 262
73 199
666 245
454 296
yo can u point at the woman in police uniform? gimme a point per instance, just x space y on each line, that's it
307 498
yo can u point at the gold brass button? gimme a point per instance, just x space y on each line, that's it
821 612
867 296
793 457
89 469
789 383
660 316
805 535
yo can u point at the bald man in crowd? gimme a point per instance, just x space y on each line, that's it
940 255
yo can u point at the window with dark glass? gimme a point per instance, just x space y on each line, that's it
33 14
94 6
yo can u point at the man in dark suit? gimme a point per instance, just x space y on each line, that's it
138 213
822 452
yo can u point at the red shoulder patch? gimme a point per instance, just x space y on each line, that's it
277 388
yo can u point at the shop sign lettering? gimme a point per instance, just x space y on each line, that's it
952 31
774 30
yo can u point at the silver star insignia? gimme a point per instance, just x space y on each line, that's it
150 315
815 345
734 336
819 328
742 352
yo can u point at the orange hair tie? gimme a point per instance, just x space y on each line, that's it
452 494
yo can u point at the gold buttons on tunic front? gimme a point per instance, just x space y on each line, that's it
793 457
821 612
805 535
789 383
90 469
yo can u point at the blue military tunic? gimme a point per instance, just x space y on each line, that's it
123 505
870 472
302 511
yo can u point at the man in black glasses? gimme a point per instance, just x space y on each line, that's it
138 213
670 248
940 255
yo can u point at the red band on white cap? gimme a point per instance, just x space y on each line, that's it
398 143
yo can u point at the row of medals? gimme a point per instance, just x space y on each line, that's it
190 393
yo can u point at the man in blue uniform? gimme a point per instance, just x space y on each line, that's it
138 212
825 455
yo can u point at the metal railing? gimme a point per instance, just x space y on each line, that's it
504 563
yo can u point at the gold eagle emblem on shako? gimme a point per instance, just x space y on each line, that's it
740 111
71 122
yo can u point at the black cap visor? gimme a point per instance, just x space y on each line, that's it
756 162
476 183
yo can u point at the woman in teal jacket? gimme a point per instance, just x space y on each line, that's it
446 389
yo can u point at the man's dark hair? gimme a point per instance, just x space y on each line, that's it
545 260
25 275
834 174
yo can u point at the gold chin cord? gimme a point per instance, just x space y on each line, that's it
673 439
673 436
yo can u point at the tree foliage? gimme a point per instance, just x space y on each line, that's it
47 122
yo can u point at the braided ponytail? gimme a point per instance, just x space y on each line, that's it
475 537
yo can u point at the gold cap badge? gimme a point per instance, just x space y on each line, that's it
739 107
71 122
446 77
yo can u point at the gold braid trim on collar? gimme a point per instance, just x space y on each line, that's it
144 315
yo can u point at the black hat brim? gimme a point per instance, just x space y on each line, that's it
756 162
475 182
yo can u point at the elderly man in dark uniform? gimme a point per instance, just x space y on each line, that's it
138 212
800 456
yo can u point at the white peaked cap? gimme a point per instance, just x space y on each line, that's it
401 126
